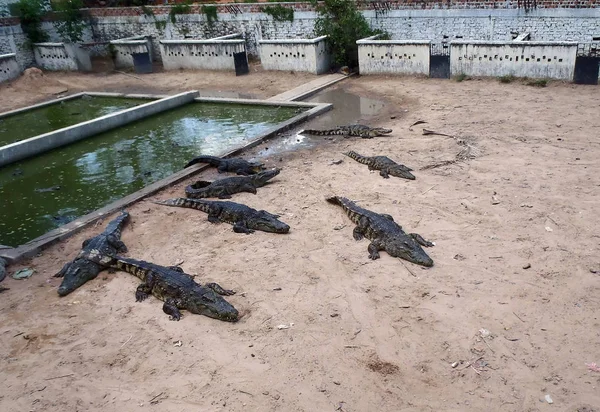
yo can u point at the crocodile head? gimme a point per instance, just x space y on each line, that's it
78 273
268 222
408 249
209 303
261 178
379 131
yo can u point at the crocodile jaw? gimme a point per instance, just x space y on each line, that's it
80 271
409 250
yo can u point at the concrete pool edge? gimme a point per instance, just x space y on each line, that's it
33 247
45 142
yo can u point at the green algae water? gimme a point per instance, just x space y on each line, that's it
55 116
44 192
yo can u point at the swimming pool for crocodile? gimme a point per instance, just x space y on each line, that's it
49 190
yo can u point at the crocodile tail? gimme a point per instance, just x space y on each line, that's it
186 203
323 132
115 225
335 200
211 160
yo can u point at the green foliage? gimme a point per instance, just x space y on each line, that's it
183 8
211 14
279 12
462 77
344 24
70 21
147 11
537 83
30 13
507 79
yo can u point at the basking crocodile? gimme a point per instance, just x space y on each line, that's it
384 164
359 130
384 233
80 270
175 288
237 165
243 218
224 188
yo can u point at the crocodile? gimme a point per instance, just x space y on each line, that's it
224 188
243 218
81 270
173 286
237 165
384 233
359 130
3 265
384 164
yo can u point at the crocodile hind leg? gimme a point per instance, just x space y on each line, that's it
359 231
240 227
218 289
420 240
175 268
170 308
144 289
374 247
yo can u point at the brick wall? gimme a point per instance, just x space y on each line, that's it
553 20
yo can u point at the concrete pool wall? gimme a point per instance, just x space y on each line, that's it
48 141
34 246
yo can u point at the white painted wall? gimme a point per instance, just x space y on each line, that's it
393 56
124 48
61 56
553 60
9 68
211 54
301 55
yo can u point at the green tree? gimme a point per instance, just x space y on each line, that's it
70 21
344 24
30 14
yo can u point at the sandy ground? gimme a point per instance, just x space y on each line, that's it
367 335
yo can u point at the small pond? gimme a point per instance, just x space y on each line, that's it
42 193
21 126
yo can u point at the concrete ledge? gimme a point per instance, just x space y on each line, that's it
306 90
33 247
293 41
38 105
48 141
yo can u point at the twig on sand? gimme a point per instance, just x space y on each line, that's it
486 344
518 317
58 377
409 271
429 189
428 132
470 363
247 393
127 341
154 399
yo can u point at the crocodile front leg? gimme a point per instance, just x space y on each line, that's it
145 289
218 289
420 240
61 273
170 308
384 174
117 244
374 247
240 227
